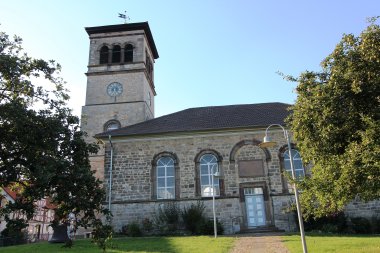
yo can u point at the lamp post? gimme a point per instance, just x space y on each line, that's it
217 175
269 143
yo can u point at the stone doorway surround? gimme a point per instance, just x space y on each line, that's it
267 203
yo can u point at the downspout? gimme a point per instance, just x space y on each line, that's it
110 176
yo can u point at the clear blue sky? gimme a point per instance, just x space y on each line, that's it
212 52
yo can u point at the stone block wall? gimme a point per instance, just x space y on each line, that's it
132 175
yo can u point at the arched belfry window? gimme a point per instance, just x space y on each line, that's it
116 54
103 59
165 176
297 162
128 53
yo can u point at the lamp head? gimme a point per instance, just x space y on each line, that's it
267 142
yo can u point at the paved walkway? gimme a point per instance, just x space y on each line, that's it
259 243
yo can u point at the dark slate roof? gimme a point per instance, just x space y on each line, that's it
126 27
208 118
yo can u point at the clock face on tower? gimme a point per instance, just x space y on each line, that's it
114 89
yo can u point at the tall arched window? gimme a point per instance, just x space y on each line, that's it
208 167
116 54
297 161
103 59
128 53
165 175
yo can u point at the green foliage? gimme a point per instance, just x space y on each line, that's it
336 122
132 229
102 235
15 232
207 227
43 153
147 225
193 217
336 223
361 225
167 216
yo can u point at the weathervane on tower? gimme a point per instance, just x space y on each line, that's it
124 16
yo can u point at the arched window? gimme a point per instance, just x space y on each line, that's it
111 125
103 59
297 161
208 168
165 175
128 53
116 54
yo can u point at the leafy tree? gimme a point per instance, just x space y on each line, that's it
336 122
42 150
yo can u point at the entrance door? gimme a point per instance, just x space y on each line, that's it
254 201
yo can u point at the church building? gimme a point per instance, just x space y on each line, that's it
187 156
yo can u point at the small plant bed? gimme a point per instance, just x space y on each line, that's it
322 243
188 244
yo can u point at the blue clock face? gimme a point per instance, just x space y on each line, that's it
114 89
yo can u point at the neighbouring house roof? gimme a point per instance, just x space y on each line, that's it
10 193
208 118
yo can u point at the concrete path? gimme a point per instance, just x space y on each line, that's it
259 243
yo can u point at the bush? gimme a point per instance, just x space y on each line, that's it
193 216
147 225
102 236
375 221
207 227
167 216
361 225
336 223
132 229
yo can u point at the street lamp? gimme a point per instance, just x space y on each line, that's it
269 143
217 175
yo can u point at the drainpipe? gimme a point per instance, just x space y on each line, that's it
110 178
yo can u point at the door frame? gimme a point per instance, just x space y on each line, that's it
267 202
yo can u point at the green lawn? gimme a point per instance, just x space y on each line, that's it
334 243
191 244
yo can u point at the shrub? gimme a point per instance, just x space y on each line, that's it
361 225
193 217
207 227
102 236
167 216
132 229
329 224
147 225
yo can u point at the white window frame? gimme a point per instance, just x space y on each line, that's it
299 170
208 165
167 190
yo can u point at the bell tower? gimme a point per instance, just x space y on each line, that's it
120 80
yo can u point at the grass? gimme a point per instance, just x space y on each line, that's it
191 244
334 243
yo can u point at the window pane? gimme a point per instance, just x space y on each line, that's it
170 171
160 171
160 182
204 180
170 181
170 193
204 170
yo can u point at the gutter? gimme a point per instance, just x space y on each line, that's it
110 176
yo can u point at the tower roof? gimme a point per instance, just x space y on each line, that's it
126 27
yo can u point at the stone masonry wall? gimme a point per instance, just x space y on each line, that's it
132 180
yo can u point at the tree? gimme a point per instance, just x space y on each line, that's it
43 153
335 121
